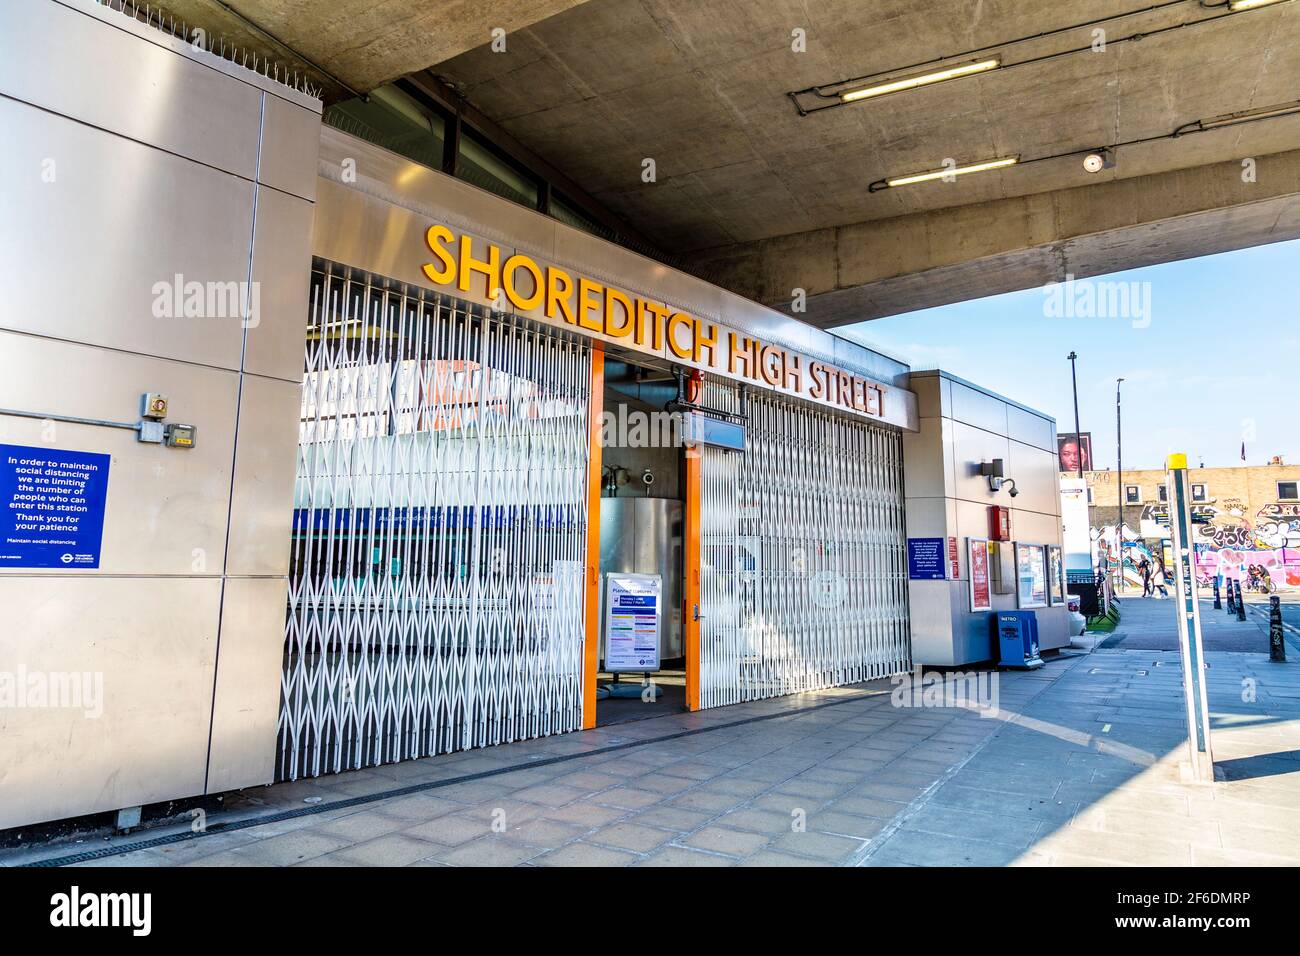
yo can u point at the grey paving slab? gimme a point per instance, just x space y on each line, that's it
488 851
676 856
1080 767
585 854
631 836
725 840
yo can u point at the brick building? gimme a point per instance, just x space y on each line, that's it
1251 517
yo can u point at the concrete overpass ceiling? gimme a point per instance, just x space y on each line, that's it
702 87
351 46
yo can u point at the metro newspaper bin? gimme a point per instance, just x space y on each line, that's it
1015 637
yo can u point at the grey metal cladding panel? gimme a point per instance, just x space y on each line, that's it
1037 430
355 229
610 263
979 409
154 643
167 507
246 708
282 271
290 142
81 256
261 506
75 64
876 365
433 196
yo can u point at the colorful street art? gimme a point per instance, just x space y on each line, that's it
1228 543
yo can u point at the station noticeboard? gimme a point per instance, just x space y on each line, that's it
633 614
51 507
927 559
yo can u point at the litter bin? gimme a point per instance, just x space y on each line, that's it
1016 639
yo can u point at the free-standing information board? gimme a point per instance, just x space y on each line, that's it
632 620
51 507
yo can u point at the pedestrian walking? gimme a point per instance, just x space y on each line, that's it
1144 569
1161 576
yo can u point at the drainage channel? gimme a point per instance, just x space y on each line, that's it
232 826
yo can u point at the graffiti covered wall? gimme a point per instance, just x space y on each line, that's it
1229 542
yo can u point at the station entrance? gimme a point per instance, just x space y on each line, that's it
642 525
505 530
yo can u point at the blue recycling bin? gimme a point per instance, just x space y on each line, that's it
1016 639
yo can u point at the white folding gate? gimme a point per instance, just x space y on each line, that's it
435 598
803 580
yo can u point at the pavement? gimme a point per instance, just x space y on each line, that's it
1080 765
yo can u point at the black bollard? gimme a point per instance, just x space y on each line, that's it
1232 608
1276 646
1241 605
1218 601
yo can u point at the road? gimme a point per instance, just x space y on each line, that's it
1150 624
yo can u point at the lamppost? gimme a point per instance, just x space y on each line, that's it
1119 478
1078 438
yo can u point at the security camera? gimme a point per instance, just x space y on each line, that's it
1014 491
1098 160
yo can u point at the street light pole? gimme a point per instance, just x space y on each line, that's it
1119 478
1078 438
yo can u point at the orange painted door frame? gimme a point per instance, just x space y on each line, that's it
691 577
591 640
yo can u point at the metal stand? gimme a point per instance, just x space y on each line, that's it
1200 765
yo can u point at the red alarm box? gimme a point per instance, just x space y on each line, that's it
999 523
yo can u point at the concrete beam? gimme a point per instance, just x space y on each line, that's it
886 267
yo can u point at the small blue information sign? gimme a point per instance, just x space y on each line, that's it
925 559
51 507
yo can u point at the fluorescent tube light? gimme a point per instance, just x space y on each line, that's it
924 79
1236 5
954 171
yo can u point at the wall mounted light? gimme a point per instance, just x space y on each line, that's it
1235 5
919 80
1002 56
1098 160
1236 119
948 171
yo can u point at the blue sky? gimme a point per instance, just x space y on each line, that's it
1219 361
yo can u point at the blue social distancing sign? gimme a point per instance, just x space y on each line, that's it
51 507
925 559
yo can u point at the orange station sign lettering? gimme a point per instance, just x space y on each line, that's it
537 290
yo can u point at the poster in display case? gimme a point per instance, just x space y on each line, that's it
979 560
1055 575
1031 575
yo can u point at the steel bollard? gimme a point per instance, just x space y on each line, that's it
1241 605
1218 601
1232 609
1276 645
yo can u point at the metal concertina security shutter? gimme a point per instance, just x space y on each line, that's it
436 579
803 578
